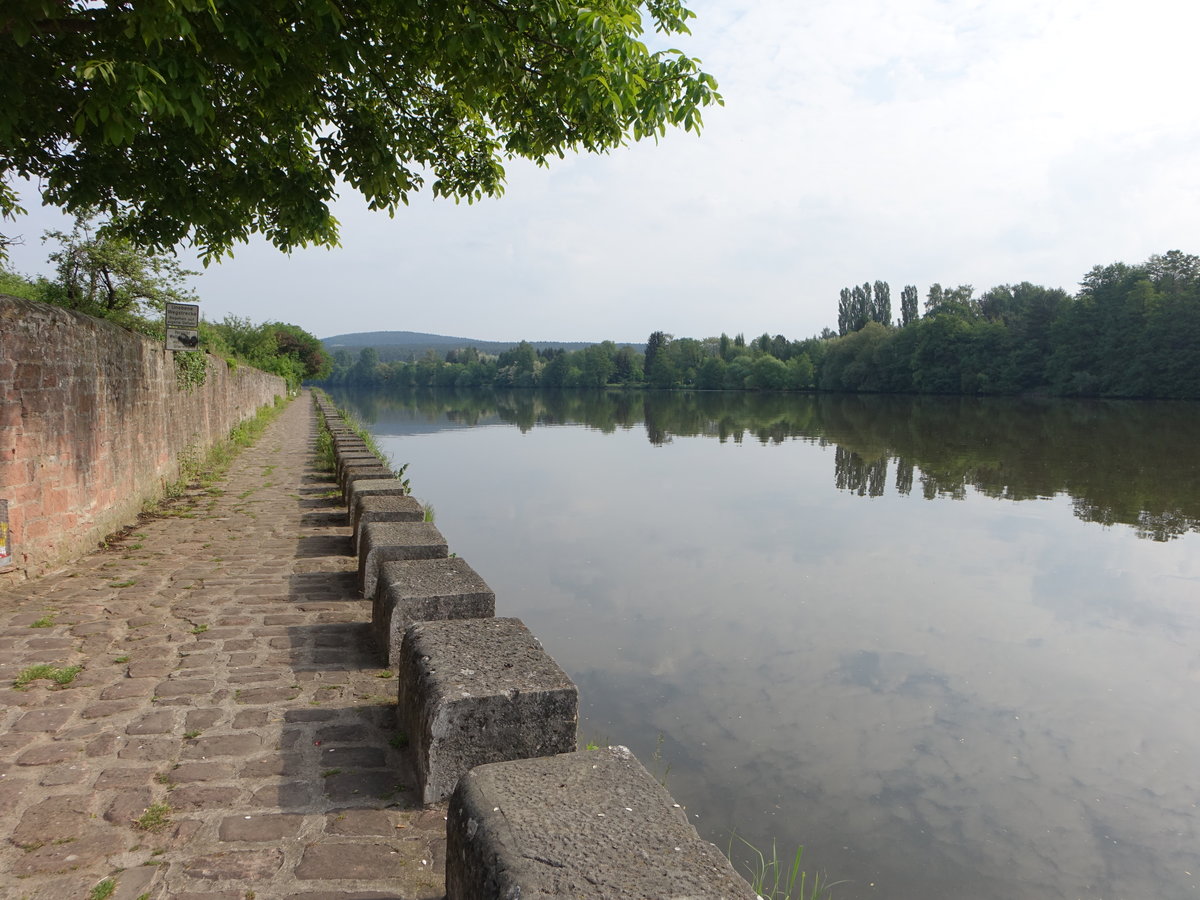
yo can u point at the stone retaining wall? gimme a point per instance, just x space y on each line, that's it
93 424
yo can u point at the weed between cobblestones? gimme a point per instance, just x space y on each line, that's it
61 676
103 890
46 621
156 817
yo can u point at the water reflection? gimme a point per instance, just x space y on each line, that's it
971 698
1120 462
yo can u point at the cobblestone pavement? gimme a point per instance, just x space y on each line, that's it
231 733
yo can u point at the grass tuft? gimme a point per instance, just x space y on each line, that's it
61 676
156 817
773 878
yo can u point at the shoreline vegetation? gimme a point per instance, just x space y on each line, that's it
1132 331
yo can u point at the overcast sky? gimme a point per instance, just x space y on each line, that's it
912 141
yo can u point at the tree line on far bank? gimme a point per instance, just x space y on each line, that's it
1130 331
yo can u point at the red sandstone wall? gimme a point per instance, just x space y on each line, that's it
92 424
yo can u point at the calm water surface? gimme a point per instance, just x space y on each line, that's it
952 647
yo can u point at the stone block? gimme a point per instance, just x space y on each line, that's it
379 542
422 591
348 446
358 472
384 508
588 824
358 458
367 487
475 691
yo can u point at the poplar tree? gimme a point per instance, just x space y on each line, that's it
882 312
908 305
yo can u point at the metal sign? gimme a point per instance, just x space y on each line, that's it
183 326
6 551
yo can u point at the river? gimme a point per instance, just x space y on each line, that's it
951 646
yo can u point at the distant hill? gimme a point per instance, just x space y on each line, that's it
394 345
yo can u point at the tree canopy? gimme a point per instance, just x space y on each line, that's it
212 120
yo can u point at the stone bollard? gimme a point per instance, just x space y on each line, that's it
365 487
357 470
356 458
384 508
379 542
422 591
349 441
475 691
589 824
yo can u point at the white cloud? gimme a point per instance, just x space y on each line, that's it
913 141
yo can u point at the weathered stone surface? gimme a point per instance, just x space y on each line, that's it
200 719
128 805
160 722
49 754
378 822
261 827
380 542
384 508
357 860
203 796
135 883
124 778
104 708
290 795
55 856
183 687
351 785
589 824
148 748
358 471
474 691
251 864
422 591
251 718
150 668
63 773
265 695
355 458
222 745
364 487
344 734
199 771
57 818
126 688
43 720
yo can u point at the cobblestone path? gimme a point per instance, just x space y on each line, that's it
231 733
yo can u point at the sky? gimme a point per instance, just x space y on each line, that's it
974 142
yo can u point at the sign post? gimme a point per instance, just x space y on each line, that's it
6 550
183 326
